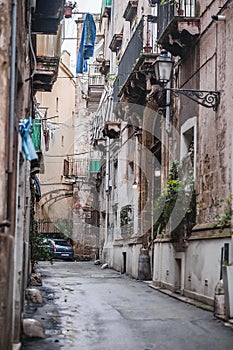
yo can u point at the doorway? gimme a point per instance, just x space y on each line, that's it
124 262
178 275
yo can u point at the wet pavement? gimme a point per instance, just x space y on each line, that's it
86 307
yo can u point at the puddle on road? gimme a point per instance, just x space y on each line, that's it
105 276
53 332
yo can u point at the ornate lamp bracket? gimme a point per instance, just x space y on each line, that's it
208 99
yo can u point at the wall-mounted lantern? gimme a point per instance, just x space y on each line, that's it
163 68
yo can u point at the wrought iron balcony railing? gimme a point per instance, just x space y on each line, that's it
97 79
143 40
166 12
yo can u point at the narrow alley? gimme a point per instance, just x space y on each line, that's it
117 147
86 307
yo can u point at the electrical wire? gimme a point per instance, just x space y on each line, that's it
65 155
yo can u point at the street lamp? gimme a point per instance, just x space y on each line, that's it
157 172
163 68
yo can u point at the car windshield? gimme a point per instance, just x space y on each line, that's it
61 242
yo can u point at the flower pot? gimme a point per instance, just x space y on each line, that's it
147 49
68 11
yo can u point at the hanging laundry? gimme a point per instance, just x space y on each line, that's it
27 144
86 47
37 188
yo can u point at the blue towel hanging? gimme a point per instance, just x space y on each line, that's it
27 144
87 43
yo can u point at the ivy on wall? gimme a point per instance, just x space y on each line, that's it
175 208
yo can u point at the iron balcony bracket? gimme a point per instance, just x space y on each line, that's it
209 99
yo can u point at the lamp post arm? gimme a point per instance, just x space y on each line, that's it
206 98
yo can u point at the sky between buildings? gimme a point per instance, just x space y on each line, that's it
70 29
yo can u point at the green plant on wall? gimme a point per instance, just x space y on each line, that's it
38 250
111 77
126 220
166 2
176 204
224 220
126 215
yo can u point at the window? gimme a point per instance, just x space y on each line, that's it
66 168
189 141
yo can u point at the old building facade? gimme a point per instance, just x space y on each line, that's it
161 142
23 72
57 109
194 267
130 50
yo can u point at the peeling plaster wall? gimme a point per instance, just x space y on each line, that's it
203 267
61 145
131 254
124 193
199 270
13 252
198 267
215 129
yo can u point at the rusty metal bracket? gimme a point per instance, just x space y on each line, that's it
206 98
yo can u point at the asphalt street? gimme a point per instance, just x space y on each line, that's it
86 307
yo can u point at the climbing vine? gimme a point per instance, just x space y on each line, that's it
176 205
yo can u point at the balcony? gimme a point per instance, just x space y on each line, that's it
47 61
112 129
178 26
47 16
130 11
116 42
46 73
95 89
138 56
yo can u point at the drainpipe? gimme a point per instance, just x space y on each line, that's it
112 33
12 84
107 188
107 175
168 108
231 249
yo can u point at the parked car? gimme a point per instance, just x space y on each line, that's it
61 249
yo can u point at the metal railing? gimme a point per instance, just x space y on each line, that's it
166 12
143 40
96 79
